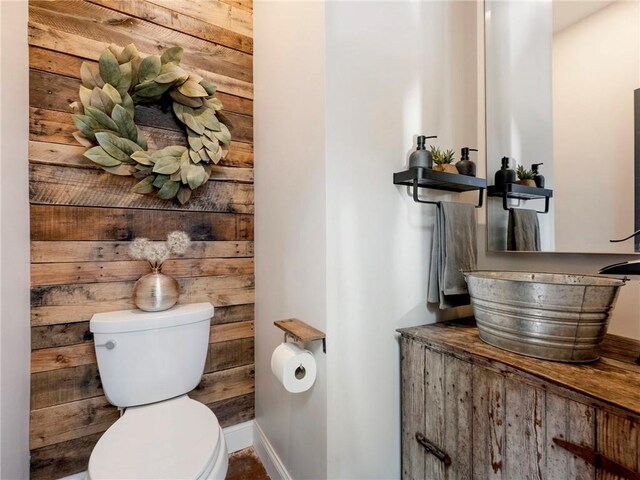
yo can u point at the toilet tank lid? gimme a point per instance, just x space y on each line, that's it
135 320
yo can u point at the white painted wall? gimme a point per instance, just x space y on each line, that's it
394 70
381 91
290 228
519 103
14 242
596 68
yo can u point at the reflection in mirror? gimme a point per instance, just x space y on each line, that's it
563 90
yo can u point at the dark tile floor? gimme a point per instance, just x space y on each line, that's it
245 465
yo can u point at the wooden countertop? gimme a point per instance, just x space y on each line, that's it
614 379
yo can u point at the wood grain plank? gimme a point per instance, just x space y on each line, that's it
64 422
57 127
229 354
97 23
48 336
49 38
62 459
458 417
226 384
53 91
488 424
92 293
105 251
618 439
55 387
183 23
525 436
51 185
101 272
52 315
574 422
72 156
235 410
233 313
434 429
231 331
244 4
76 223
414 410
299 330
62 357
60 335
216 13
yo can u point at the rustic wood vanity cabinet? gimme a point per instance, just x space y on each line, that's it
472 411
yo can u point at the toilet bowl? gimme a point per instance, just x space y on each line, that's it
176 439
148 362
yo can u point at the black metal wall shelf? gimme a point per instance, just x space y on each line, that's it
520 192
449 182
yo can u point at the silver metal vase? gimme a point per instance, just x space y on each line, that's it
155 291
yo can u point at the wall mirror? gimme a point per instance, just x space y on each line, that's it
563 90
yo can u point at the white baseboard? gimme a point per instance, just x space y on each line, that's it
268 456
238 437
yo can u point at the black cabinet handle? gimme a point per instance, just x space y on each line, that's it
432 449
597 459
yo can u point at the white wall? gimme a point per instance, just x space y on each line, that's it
381 91
14 242
394 70
290 228
596 68
519 103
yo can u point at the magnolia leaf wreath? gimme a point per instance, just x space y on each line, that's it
105 120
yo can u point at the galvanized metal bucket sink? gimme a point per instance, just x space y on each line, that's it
544 315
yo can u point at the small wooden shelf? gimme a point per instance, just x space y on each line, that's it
418 177
301 331
520 192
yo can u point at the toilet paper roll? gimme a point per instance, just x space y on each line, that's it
294 367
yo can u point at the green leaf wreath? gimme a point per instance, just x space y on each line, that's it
105 121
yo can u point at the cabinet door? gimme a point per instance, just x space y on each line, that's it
514 427
437 414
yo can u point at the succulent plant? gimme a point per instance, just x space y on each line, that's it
105 120
523 173
441 157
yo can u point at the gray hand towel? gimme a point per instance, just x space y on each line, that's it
453 250
523 230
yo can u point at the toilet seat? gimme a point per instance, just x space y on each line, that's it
174 439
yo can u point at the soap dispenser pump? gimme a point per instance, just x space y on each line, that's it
421 157
466 166
539 179
505 174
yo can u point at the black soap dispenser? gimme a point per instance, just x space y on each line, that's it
505 174
466 166
539 179
421 157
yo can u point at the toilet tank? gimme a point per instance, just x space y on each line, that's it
146 357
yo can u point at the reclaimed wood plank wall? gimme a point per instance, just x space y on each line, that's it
82 219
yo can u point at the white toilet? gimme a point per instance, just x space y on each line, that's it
148 361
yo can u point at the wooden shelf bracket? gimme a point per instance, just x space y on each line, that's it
300 331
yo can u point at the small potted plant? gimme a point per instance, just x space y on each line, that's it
525 177
443 160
